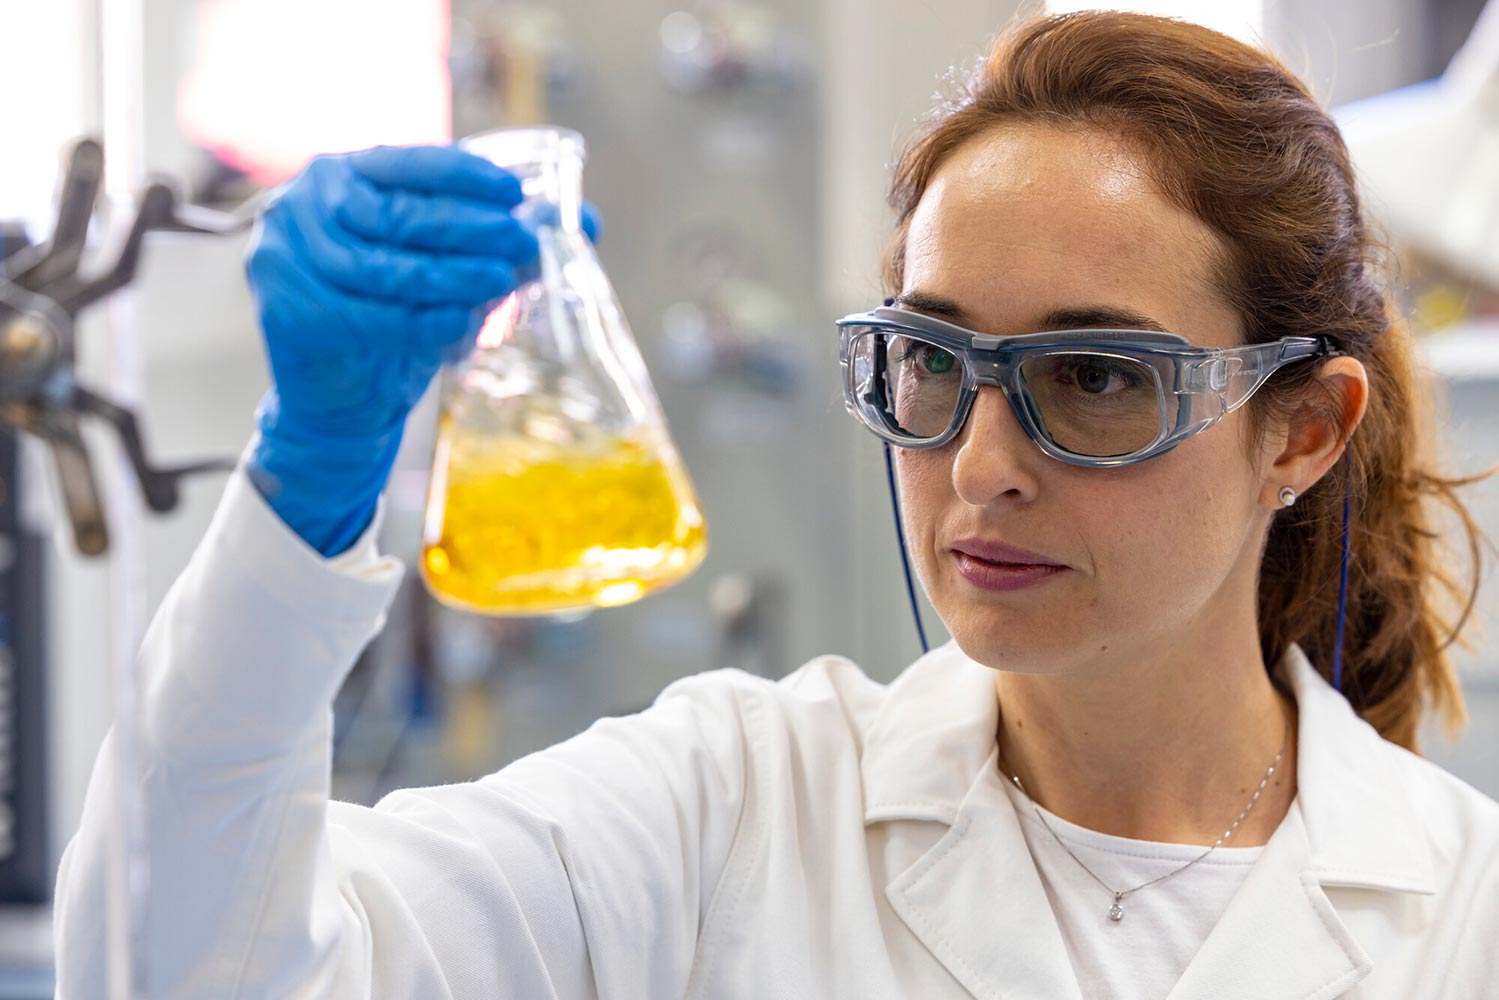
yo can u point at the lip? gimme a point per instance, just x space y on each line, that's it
996 576
999 552
999 567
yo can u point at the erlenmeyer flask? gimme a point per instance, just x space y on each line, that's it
555 485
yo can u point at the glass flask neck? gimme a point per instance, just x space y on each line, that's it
549 164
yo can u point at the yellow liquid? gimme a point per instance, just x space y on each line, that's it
521 527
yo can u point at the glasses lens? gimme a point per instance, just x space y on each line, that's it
1099 405
906 385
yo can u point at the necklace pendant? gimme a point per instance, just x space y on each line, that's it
1116 912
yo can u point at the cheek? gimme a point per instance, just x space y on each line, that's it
1168 538
924 478
1140 546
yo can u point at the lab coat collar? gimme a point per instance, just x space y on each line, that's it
930 754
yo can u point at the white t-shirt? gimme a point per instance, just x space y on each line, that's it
1142 956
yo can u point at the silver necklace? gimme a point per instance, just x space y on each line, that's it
1116 911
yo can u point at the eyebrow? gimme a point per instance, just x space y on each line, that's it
1071 318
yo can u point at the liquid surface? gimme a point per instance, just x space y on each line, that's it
516 526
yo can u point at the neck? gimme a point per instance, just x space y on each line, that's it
1168 745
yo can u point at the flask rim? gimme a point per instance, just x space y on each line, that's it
506 147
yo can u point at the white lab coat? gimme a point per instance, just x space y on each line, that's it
824 836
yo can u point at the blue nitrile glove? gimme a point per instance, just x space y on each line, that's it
368 271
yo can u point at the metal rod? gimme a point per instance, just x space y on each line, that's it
122 52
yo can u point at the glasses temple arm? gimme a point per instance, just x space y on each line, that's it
1247 368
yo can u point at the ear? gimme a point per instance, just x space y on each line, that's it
1317 432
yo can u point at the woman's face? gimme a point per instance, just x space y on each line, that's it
1030 228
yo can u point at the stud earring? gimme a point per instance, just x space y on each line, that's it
1287 495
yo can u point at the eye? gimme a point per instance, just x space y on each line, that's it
932 360
940 362
1101 376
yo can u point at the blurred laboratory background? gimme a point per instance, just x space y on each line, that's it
739 151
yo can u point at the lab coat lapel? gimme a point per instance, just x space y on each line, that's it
1352 824
975 900
1280 936
977 903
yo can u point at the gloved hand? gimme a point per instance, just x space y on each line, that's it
368 270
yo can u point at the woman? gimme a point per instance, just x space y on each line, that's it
1128 776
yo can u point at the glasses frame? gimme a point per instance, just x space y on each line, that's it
1215 381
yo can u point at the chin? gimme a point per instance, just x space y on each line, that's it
1032 627
1012 647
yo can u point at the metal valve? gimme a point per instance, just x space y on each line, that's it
41 295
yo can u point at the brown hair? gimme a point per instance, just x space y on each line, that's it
1237 140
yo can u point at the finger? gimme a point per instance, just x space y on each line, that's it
387 273
448 332
593 222
433 222
549 213
438 170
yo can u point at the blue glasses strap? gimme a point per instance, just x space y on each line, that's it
900 538
1337 649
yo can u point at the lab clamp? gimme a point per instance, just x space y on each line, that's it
41 295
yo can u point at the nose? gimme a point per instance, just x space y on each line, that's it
994 459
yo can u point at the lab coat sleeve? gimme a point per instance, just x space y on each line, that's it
579 871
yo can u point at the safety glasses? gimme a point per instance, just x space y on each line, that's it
1097 398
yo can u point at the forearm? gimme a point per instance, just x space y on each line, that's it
239 667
